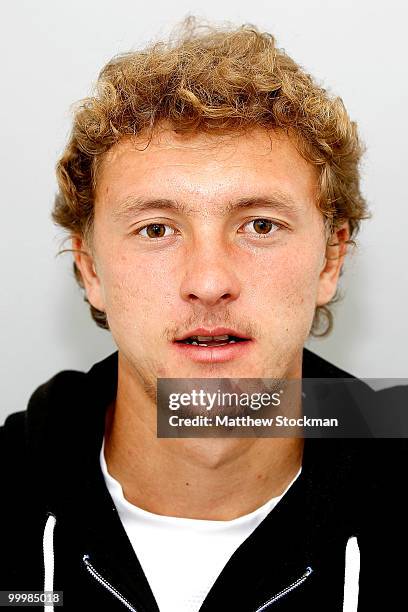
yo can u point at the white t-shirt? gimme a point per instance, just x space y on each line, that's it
182 557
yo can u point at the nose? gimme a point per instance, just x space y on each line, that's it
210 277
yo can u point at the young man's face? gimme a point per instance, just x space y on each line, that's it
208 232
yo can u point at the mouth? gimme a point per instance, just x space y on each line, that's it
221 340
213 346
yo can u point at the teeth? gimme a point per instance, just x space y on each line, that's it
221 340
209 338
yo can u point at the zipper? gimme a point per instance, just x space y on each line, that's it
116 593
106 584
285 591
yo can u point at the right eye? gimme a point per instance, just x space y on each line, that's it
154 230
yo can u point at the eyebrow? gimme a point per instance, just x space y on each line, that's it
131 206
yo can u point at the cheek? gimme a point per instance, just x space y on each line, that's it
285 285
135 294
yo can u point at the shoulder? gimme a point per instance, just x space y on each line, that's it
315 366
12 429
17 424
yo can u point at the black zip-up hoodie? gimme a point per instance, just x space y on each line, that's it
57 516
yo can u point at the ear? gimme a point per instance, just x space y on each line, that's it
87 267
336 249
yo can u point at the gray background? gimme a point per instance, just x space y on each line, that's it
51 53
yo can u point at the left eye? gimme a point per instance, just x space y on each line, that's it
262 226
155 230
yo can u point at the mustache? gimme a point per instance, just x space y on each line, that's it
247 328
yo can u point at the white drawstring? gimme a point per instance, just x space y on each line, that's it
351 576
48 550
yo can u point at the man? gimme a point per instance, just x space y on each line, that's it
210 189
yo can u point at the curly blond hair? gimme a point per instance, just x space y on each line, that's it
212 79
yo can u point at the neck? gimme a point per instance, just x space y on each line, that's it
201 478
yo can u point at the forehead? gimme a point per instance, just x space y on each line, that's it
207 167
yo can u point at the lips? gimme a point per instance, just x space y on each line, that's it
219 336
217 345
